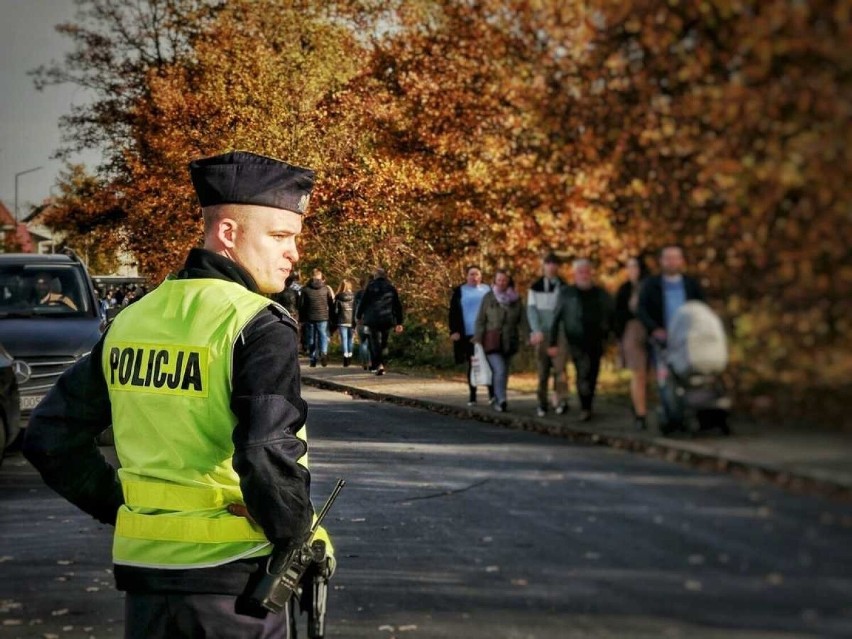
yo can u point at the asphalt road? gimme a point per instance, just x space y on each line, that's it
458 529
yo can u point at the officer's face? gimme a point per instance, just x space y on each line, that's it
265 245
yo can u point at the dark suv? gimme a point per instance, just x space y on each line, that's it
49 318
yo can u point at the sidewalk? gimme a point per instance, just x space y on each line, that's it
801 461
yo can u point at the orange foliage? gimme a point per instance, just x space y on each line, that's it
490 131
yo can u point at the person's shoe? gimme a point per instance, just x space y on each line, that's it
472 402
585 415
541 411
492 401
501 407
366 367
640 423
562 408
346 362
313 363
380 371
324 360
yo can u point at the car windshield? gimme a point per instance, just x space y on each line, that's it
43 290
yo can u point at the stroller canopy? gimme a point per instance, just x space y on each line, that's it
696 341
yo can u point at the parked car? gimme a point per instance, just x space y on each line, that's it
49 318
10 410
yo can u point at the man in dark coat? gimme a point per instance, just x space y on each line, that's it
584 316
317 309
662 295
380 311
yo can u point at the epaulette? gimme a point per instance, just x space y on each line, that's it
283 314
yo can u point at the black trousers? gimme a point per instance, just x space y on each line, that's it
587 364
378 345
193 615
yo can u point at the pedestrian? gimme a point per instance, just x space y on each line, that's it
584 315
633 338
541 304
317 308
464 308
360 329
344 313
381 311
291 297
662 295
211 440
497 328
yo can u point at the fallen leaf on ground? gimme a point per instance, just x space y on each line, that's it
59 613
693 586
775 578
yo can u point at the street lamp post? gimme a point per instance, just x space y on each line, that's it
17 175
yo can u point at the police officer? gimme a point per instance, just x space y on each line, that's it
200 381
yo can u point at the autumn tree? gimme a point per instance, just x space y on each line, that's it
86 214
491 130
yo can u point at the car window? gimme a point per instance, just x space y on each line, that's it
43 290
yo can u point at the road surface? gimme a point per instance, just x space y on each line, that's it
457 529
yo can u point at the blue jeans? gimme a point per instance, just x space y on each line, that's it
347 340
499 375
317 340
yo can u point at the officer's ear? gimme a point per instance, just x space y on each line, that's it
226 232
221 225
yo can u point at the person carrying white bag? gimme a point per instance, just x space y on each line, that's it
480 371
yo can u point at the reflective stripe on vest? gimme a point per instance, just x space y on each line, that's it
167 364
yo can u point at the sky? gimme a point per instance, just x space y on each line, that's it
29 119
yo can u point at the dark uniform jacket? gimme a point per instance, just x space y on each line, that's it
266 399
651 311
317 304
380 307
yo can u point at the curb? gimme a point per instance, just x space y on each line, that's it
658 447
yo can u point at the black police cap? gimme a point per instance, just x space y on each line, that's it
241 177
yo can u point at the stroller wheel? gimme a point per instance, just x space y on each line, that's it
714 418
666 426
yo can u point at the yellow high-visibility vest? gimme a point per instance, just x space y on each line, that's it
167 364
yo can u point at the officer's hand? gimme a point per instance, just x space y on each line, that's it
553 351
455 337
536 338
398 328
240 510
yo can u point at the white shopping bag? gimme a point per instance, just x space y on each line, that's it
480 371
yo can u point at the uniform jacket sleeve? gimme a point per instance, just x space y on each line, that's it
60 439
266 399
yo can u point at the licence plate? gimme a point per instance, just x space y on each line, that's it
28 402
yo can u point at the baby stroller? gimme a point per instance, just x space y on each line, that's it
693 396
